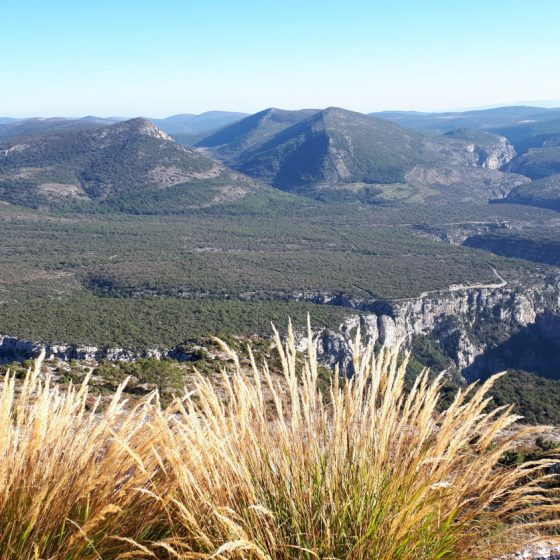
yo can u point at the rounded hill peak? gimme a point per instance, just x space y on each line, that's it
141 125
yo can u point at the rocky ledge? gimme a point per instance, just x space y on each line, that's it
18 349
465 323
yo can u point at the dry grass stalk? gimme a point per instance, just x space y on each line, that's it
276 470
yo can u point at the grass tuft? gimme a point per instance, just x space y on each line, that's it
268 468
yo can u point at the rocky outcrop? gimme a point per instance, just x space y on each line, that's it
334 349
537 551
13 348
494 156
480 148
460 233
464 323
18 349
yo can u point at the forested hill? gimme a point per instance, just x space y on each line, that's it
130 166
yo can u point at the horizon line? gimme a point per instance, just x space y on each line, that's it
551 104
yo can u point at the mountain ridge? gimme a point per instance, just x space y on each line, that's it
335 153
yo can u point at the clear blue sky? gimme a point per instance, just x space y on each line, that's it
161 57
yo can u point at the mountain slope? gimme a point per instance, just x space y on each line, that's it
337 154
331 147
544 193
130 166
532 134
230 142
537 162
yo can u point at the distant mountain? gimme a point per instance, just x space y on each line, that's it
29 127
231 141
340 154
544 193
332 154
130 166
331 147
480 119
185 126
193 124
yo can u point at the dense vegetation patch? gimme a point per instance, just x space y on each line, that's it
150 322
536 398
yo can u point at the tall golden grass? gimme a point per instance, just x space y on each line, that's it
267 467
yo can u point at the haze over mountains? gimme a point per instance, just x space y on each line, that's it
488 119
186 124
14 128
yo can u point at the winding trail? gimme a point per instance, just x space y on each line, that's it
460 287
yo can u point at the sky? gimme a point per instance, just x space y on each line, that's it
162 57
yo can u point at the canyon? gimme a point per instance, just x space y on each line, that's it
480 329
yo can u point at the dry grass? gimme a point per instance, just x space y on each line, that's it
69 476
276 470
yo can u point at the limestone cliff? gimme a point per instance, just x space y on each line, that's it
465 323
468 325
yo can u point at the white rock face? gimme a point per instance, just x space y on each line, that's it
388 333
149 129
13 348
495 157
139 125
15 148
450 318
492 152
